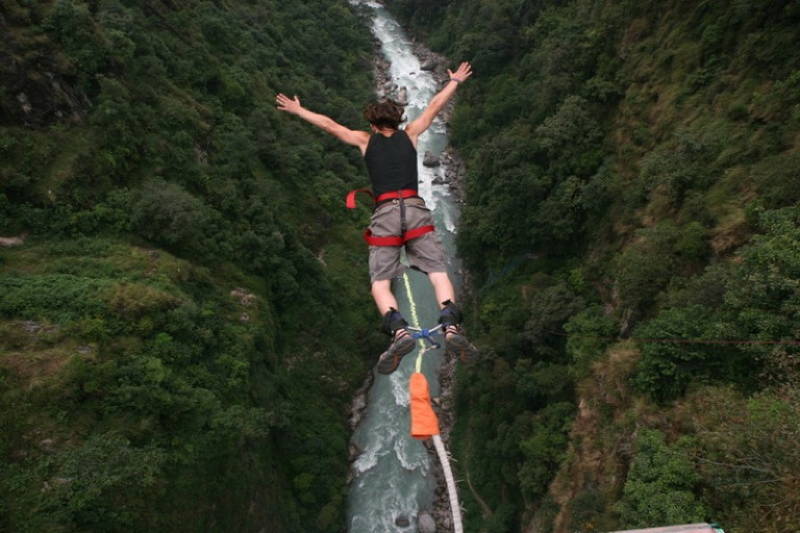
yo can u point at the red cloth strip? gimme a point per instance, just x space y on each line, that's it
350 199
397 240
402 193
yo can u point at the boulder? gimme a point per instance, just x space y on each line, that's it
13 241
354 450
24 103
402 96
429 64
401 521
430 160
425 523
47 445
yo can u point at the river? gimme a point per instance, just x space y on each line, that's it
393 481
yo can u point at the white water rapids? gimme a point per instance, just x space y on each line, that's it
393 481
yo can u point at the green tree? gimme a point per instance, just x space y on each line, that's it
660 486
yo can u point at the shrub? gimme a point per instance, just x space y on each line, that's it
776 179
550 307
571 138
644 268
749 458
166 213
679 166
109 216
100 484
60 298
544 448
72 25
5 212
660 485
585 509
589 333
671 361
132 300
748 300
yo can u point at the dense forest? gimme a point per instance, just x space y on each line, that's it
183 305
186 315
633 234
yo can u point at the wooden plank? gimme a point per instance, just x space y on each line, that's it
687 528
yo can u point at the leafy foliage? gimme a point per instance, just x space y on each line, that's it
544 448
171 309
175 370
757 303
640 157
659 488
750 458
590 333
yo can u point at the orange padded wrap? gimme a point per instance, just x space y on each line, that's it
423 420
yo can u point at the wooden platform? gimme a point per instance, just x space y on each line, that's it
688 528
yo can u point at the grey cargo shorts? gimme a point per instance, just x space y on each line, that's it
424 253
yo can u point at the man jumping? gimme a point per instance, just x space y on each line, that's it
400 219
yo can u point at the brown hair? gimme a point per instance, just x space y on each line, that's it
384 114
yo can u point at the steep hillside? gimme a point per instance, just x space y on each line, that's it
633 236
182 308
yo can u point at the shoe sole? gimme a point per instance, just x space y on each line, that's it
459 345
390 359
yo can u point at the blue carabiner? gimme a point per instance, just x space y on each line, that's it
426 335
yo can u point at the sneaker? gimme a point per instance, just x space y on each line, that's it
454 340
457 344
401 345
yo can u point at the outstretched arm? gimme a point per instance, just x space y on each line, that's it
422 122
353 137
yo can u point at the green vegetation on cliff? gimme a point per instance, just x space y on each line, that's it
182 330
633 176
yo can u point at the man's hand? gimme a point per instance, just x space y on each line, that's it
464 71
416 127
292 105
287 104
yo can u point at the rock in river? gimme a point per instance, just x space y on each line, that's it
431 160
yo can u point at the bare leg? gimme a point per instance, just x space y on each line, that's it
442 286
384 299
382 293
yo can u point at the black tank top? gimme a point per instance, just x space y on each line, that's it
391 162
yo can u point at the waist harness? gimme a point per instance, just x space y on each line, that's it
405 234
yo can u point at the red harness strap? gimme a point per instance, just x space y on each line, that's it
350 200
397 240
392 240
